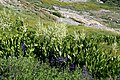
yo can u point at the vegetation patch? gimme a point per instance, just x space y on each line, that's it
57 14
35 48
78 5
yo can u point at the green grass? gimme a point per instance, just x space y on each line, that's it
32 20
26 68
79 5
88 30
42 29
29 18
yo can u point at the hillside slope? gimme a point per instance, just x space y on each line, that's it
99 14
54 40
100 17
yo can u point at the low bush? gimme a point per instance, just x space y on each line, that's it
57 14
27 68
95 52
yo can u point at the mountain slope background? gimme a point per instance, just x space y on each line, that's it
104 14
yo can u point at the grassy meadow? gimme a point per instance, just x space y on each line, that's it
33 46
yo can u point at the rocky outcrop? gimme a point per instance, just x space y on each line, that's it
74 0
72 17
100 1
10 2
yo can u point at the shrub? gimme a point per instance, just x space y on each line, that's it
57 14
23 68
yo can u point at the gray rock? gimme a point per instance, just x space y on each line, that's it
74 0
73 18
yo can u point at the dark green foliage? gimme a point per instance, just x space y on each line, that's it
27 68
57 14
81 50
112 2
18 25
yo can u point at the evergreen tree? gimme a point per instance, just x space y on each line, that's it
112 2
